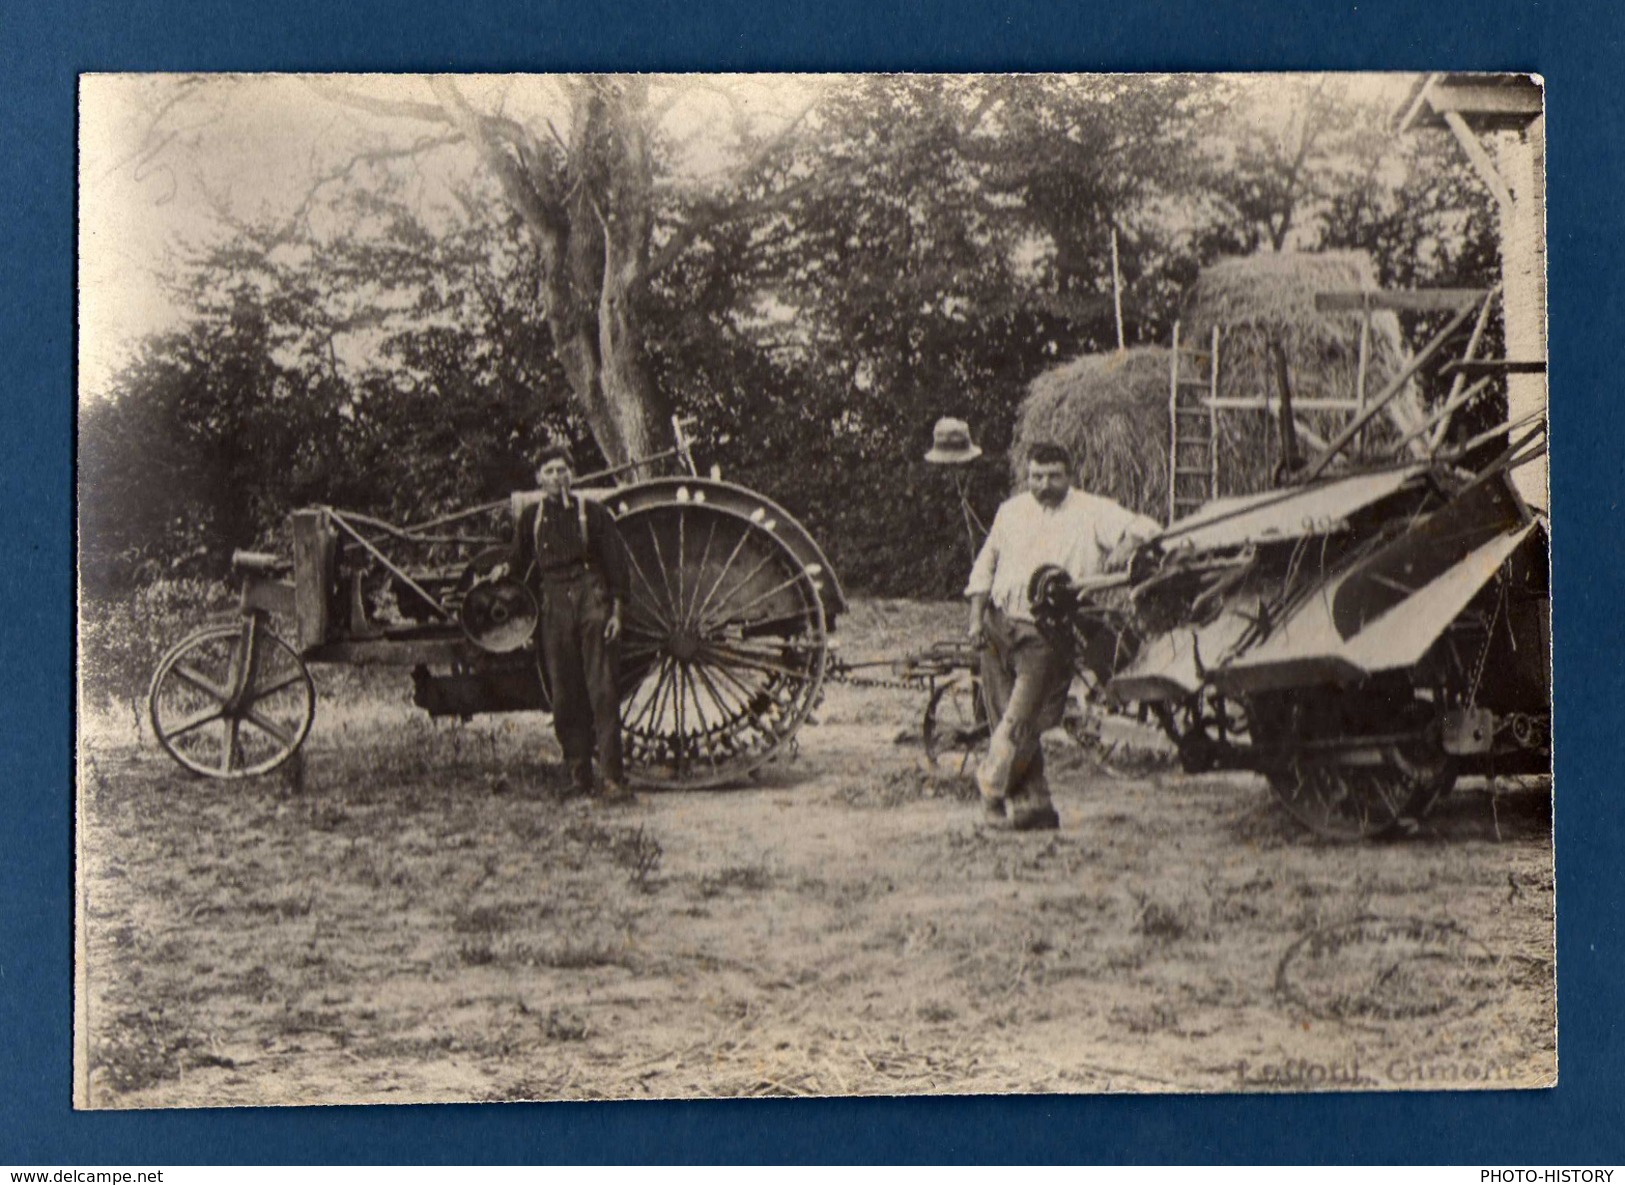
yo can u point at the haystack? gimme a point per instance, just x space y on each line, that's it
1111 410
1263 300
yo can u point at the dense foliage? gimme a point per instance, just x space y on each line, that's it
922 247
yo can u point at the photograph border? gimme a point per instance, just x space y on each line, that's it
46 49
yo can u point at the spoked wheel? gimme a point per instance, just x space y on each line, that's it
231 701
956 729
1085 722
1351 792
1348 802
725 645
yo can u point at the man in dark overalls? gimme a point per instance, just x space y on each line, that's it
569 550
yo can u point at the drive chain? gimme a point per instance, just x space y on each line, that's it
846 674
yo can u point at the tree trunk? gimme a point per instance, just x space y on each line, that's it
593 240
602 359
640 413
611 225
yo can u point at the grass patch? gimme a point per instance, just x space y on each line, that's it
1164 921
746 878
1146 1019
900 787
141 1048
485 919
573 955
477 953
560 1025
632 849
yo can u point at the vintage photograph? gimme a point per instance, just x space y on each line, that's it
682 586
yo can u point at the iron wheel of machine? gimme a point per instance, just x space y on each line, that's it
725 646
231 701
1349 803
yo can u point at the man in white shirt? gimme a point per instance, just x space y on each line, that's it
1024 679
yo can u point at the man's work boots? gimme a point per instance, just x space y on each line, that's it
1000 815
1041 818
581 777
616 794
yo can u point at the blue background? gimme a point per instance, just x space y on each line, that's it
1578 47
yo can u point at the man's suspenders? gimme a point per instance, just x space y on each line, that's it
581 520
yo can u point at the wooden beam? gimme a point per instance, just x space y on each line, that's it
1460 381
1508 427
1473 367
1482 161
1479 99
1264 403
1417 104
1213 414
1422 300
1173 426
314 555
394 652
1439 422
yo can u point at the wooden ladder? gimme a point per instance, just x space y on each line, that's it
1193 425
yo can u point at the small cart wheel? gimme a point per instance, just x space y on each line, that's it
956 729
231 701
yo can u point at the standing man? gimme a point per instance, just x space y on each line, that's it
569 550
1023 677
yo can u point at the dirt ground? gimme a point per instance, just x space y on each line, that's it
418 916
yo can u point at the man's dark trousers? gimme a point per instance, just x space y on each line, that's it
580 666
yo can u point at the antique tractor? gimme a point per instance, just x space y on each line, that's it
724 654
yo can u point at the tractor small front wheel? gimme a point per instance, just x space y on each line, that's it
231 701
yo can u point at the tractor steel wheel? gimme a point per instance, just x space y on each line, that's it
724 649
956 729
231 701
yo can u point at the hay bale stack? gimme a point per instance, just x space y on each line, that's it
1111 410
1261 300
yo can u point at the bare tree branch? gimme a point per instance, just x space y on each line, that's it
330 88
156 138
341 172
771 146
397 108
530 204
